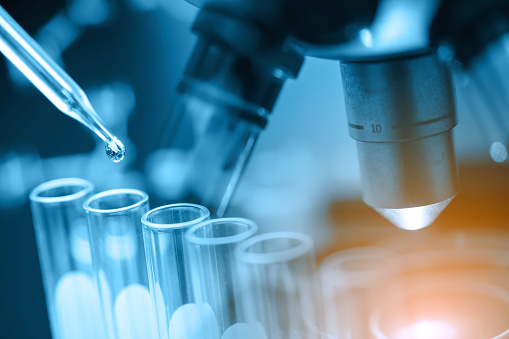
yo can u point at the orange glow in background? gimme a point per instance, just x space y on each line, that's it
447 281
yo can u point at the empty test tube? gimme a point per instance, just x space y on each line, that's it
118 255
216 280
170 281
355 282
280 289
64 252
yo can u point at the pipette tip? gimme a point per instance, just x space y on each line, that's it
115 149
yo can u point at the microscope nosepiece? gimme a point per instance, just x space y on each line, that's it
401 112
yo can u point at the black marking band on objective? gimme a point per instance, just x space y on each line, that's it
416 124
355 126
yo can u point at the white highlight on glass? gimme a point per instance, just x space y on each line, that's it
134 303
191 321
245 331
80 247
78 307
427 329
120 247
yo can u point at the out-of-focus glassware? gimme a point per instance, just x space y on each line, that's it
279 288
440 285
216 281
64 252
118 255
170 280
354 283
457 287
209 146
444 309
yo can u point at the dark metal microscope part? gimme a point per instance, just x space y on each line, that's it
246 50
467 26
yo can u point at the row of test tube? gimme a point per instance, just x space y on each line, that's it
112 268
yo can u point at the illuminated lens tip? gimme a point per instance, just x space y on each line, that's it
115 150
413 218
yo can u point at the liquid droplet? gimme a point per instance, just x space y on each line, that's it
115 150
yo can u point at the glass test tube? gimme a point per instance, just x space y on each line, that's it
355 282
280 285
114 224
64 252
216 282
170 282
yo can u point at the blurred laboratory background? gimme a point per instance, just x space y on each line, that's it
303 174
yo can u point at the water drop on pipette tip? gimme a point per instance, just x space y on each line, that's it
115 150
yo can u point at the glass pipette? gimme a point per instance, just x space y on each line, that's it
53 82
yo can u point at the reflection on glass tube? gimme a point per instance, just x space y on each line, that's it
64 252
114 224
170 281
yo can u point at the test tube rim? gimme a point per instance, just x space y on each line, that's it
184 224
306 246
87 188
88 208
332 274
231 239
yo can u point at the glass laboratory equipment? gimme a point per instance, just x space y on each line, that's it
63 243
169 277
118 256
355 282
444 310
216 280
280 288
445 285
53 82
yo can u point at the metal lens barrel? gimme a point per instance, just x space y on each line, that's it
401 112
